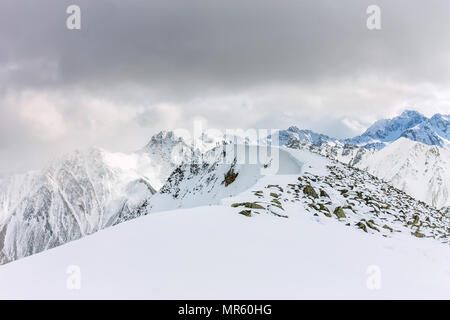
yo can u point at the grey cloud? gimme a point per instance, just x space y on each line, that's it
191 45
237 63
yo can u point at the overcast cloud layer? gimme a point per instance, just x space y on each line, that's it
136 67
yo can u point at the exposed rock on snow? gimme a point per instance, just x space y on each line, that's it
355 197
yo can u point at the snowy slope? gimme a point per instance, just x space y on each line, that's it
420 170
76 195
287 246
211 253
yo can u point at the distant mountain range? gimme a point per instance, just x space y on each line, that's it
415 147
434 131
412 125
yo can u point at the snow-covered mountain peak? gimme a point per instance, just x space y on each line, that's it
411 125
411 114
164 139
168 151
183 147
388 130
293 129
293 133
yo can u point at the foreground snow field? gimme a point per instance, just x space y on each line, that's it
212 252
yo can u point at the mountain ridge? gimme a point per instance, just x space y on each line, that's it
410 124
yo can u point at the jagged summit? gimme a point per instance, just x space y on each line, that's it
163 138
168 150
411 114
294 133
410 124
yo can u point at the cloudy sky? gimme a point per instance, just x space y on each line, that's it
136 67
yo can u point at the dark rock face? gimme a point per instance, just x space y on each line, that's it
230 177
